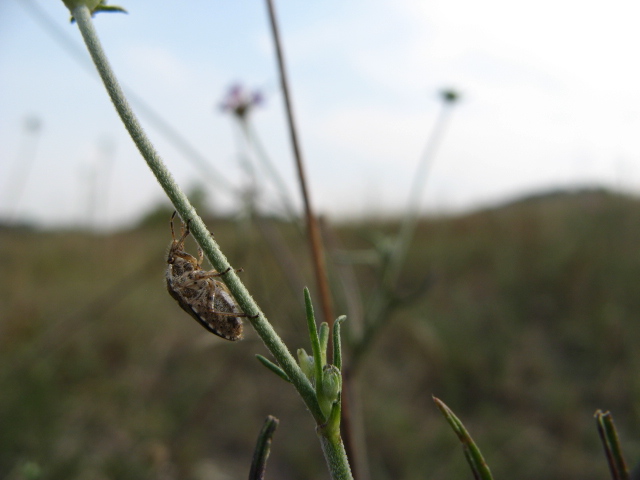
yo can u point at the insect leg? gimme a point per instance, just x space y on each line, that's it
200 274
173 235
185 231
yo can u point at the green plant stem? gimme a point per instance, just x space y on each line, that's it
330 440
335 454
200 232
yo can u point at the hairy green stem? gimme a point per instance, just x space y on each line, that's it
187 212
336 456
330 439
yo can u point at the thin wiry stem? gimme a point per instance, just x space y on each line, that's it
384 300
409 222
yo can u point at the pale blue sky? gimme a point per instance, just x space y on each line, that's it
549 98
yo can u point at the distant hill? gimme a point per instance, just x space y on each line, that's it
580 195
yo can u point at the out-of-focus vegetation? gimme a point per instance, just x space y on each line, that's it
531 324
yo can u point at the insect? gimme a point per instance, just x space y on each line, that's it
198 292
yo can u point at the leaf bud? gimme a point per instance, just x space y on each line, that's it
306 364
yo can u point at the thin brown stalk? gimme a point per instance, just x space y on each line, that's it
317 251
315 240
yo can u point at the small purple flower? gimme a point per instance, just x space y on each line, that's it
240 101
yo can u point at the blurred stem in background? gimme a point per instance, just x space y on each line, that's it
16 183
393 254
390 256
408 227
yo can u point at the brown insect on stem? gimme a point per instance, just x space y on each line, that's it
198 292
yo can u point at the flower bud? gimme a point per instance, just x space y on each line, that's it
331 382
306 364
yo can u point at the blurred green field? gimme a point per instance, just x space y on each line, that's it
530 324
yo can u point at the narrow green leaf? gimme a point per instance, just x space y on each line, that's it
263 448
472 453
313 337
337 342
611 444
274 368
